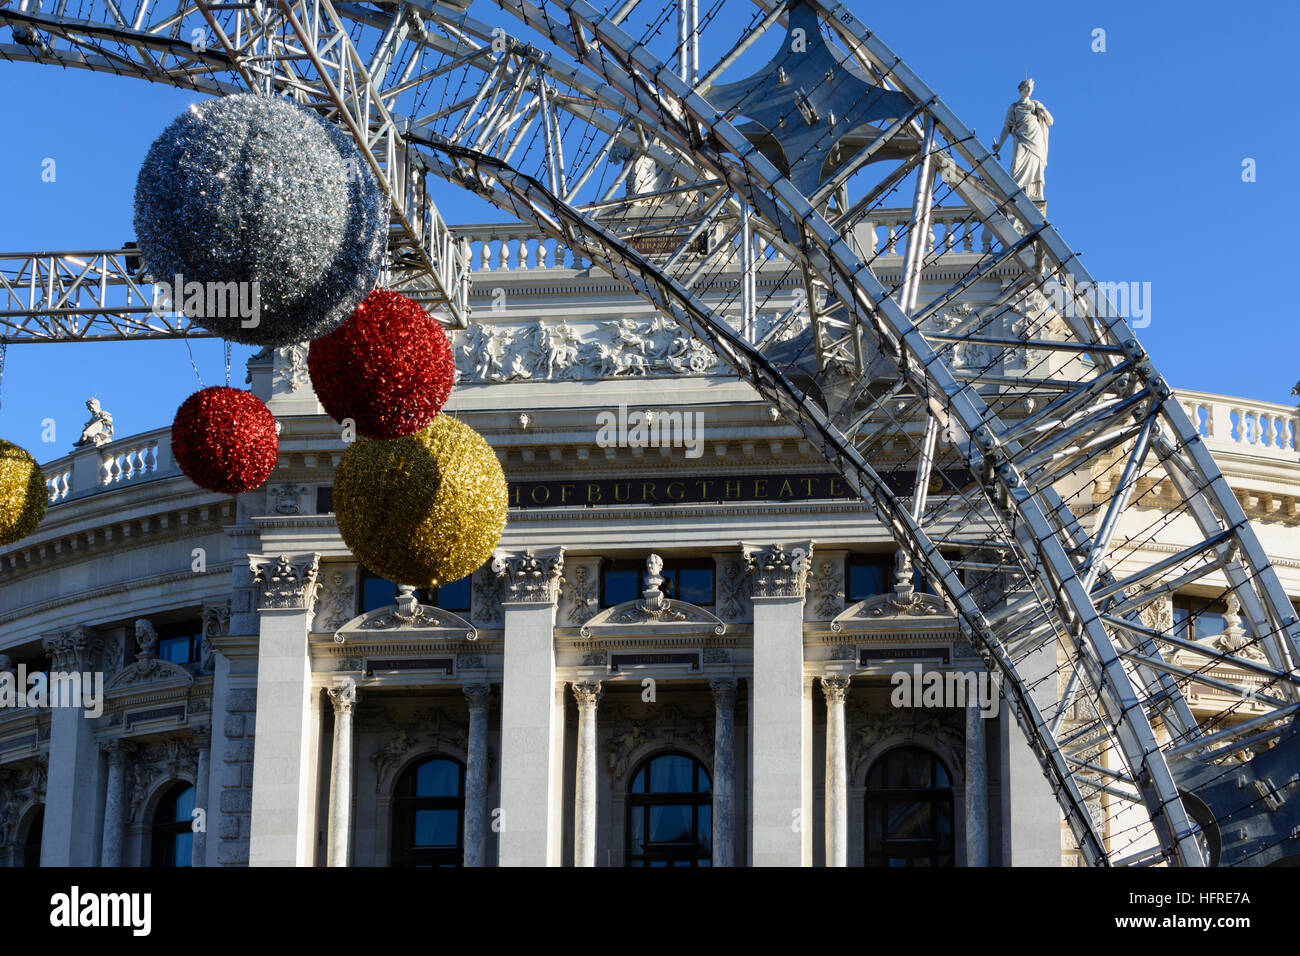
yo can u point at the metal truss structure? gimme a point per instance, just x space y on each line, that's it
1040 452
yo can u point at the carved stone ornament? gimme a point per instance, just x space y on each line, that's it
343 695
287 498
291 366
71 650
170 757
432 729
408 614
828 585
654 608
778 570
836 689
543 352
286 582
668 724
733 589
530 577
580 588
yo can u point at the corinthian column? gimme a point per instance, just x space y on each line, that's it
476 774
344 697
837 777
114 802
724 771
584 839
203 743
977 795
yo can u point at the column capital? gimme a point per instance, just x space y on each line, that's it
529 577
286 581
478 695
587 693
724 691
778 570
344 696
201 736
71 650
117 750
836 689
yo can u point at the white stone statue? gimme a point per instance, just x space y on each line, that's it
1027 123
99 430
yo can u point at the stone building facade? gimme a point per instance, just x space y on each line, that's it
673 658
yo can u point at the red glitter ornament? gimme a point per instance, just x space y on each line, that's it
389 367
224 439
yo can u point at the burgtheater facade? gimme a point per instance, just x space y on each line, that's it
682 654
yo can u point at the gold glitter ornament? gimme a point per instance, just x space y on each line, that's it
23 494
423 510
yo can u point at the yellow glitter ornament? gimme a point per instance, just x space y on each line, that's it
22 493
423 510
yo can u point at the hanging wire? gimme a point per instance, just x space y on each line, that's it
193 364
4 347
227 363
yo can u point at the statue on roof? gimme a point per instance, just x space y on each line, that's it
1027 123
99 430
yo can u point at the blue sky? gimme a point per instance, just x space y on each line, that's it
1144 181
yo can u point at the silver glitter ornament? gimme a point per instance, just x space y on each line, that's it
266 214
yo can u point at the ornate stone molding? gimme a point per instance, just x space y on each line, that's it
580 592
654 609
169 757
433 729
478 695
72 650
836 689
587 693
286 581
668 725
734 580
530 577
407 618
724 691
827 582
216 623
343 695
338 598
778 570
542 352
286 498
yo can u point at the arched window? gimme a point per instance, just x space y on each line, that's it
429 814
670 813
32 845
173 827
909 810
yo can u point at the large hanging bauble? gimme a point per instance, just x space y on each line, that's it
389 367
423 510
224 439
23 494
251 189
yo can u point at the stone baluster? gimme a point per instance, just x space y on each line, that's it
542 253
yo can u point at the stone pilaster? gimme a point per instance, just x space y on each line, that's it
73 823
587 694
284 759
476 774
724 771
114 802
532 712
343 696
780 706
836 690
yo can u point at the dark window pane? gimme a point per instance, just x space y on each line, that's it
376 593
866 578
695 585
671 775
437 778
670 824
454 596
437 827
175 649
620 585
